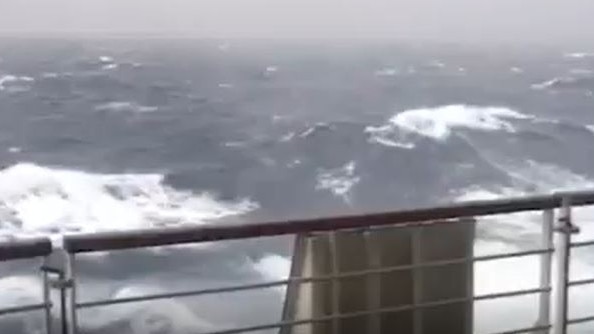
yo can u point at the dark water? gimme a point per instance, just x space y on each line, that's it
115 134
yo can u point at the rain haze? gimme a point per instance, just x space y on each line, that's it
525 21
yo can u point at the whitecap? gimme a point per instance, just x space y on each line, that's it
522 272
436 64
49 75
580 71
16 80
105 59
156 316
318 127
37 200
235 144
125 106
294 163
553 83
387 135
274 267
578 55
386 72
288 137
339 181
109 67
438 123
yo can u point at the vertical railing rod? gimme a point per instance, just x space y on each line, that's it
469 323
565 229
546 261
71 279
63 305
374 287
417 274
293 288
335 282
48 303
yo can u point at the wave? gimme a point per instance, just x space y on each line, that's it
438 123
271 69
225 85
388 135
315 129
105 59
15 83
566 82
37 200
339 181
387 72
125 106
161 316
109 67
578 55
517 232
22 290
274 267
516 70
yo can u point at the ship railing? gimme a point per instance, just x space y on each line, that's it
59 269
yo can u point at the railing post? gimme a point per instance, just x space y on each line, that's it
48 302
563 253
374 288
546 261
293 288
59 264
335 261
70 277
417 274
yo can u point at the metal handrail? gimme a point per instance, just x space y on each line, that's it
73 244
24 248
581 282
582 244
393 309
580 320
92 242
301 280
23 308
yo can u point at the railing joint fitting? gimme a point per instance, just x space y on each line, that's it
568 229
61 283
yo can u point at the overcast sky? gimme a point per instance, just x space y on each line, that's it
450 20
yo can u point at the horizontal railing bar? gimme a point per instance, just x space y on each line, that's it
302 280
511 294
582 244
24 308
526 330
106 302
581 282
24 248
376 311
104 241
580 320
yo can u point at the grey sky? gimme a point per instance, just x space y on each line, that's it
451 20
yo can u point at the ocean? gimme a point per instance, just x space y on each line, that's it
117 134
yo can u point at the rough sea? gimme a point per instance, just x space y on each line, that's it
120 134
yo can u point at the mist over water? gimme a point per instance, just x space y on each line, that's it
119 134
